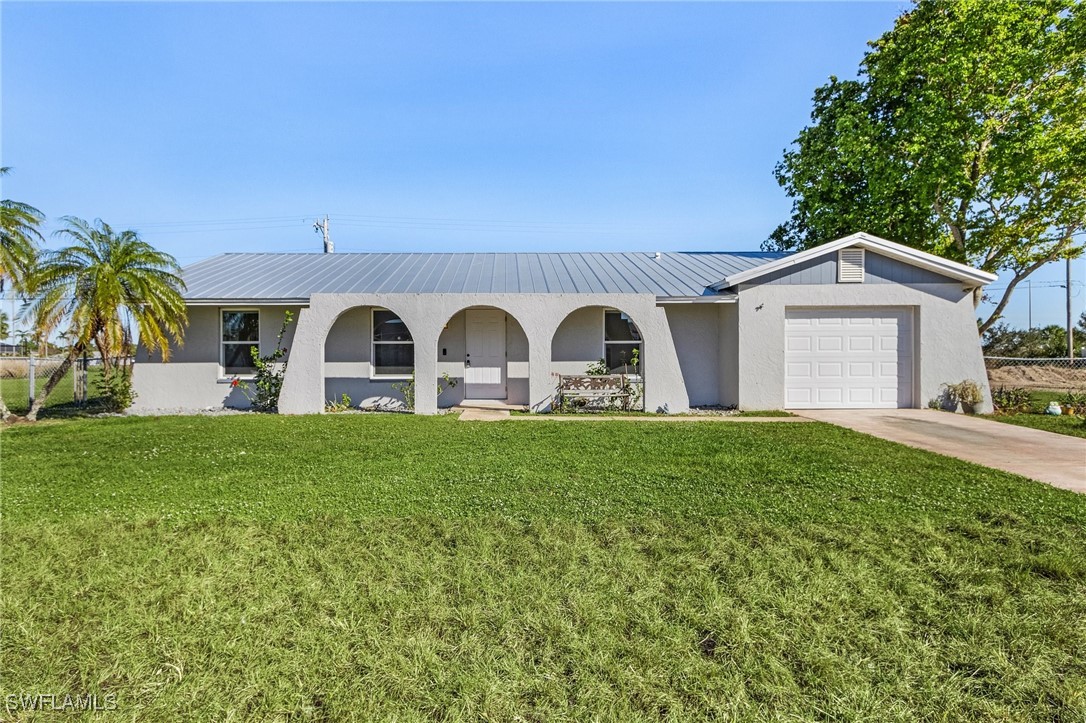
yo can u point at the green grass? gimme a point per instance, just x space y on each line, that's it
376 567
1064 424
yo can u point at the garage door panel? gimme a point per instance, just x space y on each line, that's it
861 370
888 343
798 398
830 370
861 343
862 396
799 370
848 357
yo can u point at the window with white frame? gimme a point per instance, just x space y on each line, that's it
621 338
240 334
393 347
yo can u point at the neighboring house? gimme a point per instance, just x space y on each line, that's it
856 323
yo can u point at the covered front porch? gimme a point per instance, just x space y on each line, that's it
507 349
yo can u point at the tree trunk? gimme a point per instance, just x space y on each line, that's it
54 379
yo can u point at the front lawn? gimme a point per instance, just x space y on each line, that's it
1074 426
375 567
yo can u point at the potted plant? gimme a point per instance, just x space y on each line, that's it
966 394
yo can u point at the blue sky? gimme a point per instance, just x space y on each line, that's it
426 127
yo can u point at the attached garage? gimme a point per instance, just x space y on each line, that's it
848 358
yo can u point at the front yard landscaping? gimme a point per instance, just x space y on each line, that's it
420 568
1073 425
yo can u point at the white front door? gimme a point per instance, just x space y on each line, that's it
484 372
848 358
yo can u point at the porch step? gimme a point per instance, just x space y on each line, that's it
484 415
491 404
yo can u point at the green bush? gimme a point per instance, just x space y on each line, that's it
263 390
1074 403
1011 400
597 369
114 389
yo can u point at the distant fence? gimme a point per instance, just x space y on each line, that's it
1058 373
23 379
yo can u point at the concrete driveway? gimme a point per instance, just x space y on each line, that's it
1056 459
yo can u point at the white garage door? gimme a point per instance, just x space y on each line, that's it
848 358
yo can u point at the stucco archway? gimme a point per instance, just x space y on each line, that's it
368 352
507 374
589 334
600 341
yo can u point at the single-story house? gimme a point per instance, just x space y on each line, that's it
856 323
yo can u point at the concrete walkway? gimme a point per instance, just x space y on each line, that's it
483 415
651 418
472 414
1057 459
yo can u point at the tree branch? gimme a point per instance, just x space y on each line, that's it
1019 277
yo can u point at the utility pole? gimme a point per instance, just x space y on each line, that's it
1029 295
1070 324
321 226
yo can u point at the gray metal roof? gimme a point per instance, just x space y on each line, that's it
295 277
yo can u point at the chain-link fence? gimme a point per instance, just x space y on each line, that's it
23 379
1057 374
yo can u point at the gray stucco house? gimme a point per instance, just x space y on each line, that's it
859 322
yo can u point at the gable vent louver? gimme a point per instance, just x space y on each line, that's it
850 266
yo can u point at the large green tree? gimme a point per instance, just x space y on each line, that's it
963 135
102 288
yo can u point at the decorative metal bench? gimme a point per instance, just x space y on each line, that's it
599 391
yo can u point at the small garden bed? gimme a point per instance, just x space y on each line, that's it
1026 408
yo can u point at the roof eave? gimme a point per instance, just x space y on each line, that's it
725 298
299 301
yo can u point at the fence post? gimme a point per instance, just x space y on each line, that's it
75 382
30 376
80 380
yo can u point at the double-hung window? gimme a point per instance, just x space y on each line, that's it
620 338
240 334
393 347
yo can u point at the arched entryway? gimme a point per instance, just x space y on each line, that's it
484 349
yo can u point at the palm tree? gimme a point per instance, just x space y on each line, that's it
19 239
98 288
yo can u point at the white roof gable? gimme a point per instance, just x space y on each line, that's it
966 274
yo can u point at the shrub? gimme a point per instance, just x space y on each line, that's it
1011 400
264 388
1074 403
407 388
342 405
598 369
115 389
